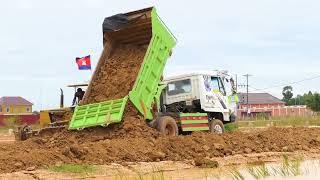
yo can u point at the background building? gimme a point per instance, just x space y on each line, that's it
16 110
266 105
15 106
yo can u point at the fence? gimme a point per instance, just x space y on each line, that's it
278 111
9 120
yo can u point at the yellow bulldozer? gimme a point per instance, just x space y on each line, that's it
50 118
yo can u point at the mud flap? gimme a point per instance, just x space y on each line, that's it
98 114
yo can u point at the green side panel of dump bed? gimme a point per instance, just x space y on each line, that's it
98 114
146 85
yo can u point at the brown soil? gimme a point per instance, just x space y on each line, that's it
133 140
117 74
133 126
125 145
67 115
62 116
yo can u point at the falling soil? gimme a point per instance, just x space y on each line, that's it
125 145
117 74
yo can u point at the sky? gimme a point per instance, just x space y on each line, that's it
277 42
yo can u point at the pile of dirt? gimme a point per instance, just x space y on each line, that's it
96 148
133 126
67 115
117 74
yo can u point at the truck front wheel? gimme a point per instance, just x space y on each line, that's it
216 126
167 126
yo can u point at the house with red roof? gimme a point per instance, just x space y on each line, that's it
15 105
264 104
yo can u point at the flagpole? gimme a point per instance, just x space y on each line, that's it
90 68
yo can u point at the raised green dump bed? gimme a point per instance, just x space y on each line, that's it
142 27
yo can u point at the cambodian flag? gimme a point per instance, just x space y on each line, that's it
84 63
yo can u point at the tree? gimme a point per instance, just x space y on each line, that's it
287 94
308 98
314 102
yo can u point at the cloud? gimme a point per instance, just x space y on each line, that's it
276 41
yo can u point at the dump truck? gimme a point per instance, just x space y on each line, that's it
206 107
129 72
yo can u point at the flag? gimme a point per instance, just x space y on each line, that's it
84 63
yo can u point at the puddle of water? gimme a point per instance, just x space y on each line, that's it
293 169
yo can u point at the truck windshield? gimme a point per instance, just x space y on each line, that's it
179 87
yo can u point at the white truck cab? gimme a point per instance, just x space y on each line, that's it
211 92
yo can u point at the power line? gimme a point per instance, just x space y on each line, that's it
256 89
282 85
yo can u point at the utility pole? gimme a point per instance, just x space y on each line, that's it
247 76
236 83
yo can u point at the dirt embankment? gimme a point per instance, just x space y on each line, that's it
128 144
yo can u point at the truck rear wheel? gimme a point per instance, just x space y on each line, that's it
216 126
167 126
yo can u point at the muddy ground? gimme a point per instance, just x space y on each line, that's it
165 169
97 147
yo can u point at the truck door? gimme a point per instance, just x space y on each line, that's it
220 92
214 95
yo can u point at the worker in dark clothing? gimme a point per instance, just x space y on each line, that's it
78 95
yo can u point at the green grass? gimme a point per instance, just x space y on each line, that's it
293 121
4 130
236 174
259 172
289 167
230 127
158 173
73 168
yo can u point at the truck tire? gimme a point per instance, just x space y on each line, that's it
167 126
216 126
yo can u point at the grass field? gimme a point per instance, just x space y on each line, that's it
73 168
307 121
